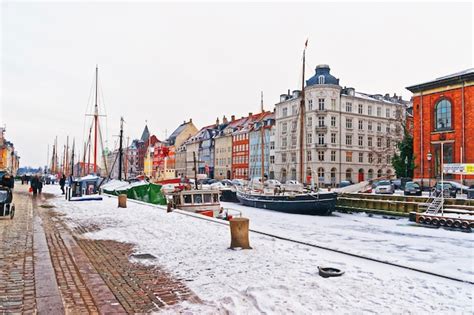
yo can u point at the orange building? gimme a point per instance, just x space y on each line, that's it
443 113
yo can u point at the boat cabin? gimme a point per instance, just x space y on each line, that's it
204 201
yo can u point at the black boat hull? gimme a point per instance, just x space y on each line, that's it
228 195
310 204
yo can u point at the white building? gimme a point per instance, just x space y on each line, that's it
349 135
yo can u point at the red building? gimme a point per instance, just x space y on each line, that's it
443 113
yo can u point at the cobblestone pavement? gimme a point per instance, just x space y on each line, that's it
47 268
17 280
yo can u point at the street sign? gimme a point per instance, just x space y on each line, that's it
458 168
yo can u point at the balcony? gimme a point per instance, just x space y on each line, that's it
321 145
321 128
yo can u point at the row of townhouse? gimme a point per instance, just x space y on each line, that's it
9 159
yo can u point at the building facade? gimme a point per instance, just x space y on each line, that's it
223 149
267 121
348 135
9 159
443 110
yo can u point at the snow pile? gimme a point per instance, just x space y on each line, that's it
275 276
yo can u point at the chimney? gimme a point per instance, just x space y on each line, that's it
289 92
250 114
190 120
224 120
232 118
217 121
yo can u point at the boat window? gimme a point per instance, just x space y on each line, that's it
207 198
215 197
187 199
198 198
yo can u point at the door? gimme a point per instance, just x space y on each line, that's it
361 175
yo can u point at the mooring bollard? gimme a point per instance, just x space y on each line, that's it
239 232
122 201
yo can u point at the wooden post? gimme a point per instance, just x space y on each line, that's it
239 232
122 201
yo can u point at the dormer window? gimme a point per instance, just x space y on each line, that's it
321 79
443 115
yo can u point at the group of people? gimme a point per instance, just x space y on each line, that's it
36 184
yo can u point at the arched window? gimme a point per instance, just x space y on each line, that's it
371 174
349 174
443 115
333 175
283 175
321 173
321 79
293 173
379 173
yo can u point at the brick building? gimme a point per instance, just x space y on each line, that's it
443 109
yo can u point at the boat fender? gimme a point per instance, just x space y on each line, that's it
465 225
421 220
449 223
327 272
435 222
457 224
442 222
428 220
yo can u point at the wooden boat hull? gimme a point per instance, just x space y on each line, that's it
229 195
310 204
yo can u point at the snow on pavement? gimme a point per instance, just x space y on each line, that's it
275 277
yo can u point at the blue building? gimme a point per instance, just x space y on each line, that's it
255 145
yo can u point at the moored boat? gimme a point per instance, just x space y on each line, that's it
202 201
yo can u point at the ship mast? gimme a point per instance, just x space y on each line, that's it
302 119
120 150
262 139
96 119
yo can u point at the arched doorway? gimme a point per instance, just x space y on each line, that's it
333 176
320 177
370 175
360 175
228 174
283 175
349 174
379 173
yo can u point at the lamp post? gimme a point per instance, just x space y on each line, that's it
428 157
406 166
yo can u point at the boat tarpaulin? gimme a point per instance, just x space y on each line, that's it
143 191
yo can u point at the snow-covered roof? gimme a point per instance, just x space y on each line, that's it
457 77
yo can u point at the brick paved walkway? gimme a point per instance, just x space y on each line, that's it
46 268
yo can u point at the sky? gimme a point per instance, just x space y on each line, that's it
163 63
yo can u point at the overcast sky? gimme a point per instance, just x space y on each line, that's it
165 62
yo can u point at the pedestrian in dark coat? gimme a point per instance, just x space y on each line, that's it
40 185
34 184
62 182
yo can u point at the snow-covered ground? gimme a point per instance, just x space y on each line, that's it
280 277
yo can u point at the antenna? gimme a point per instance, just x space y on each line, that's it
261 100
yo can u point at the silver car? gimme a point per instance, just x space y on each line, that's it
384 187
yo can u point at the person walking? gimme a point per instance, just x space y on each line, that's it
34 184
40 184
62 183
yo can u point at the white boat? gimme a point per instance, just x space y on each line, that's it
203 201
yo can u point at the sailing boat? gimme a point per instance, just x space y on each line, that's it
298 202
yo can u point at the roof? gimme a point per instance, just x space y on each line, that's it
458 77
176 133
323 72
145 134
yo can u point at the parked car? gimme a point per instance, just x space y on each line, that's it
384 187
397 183
345 183
457 186
449 189
412 188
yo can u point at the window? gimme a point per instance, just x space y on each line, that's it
293 125
309 138
321 104
310 104
321 155
387 112
284 127
293 157
293 140
333 138
369 110
321 138
379 111
379 127
283 157
321 173
308 156
348 139
361 157
369 125
333 104
349 107
333 156
321 121
379 159
333 121
369 141
371 157
387 129
284 142
321 79
379 142
348 123
443 115
309 121
272 159
284 112
361 141
272 145
361 109
361 124
349 156
293 110
389 159
388 143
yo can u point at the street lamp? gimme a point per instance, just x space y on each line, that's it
428 157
